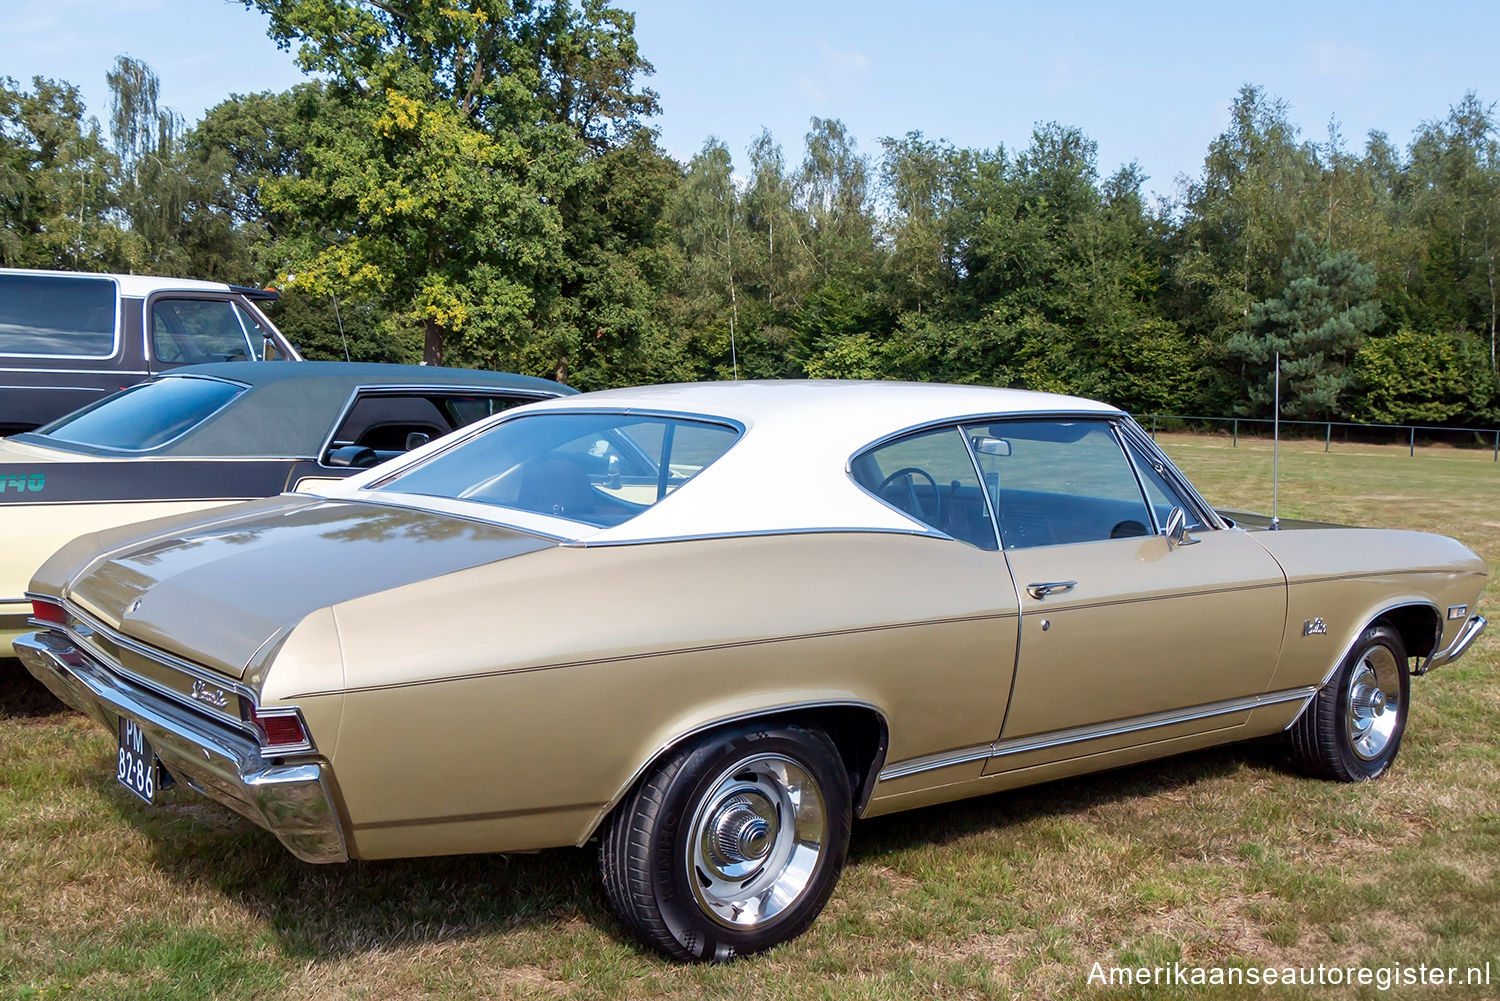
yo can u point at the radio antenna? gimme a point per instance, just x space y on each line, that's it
1276 450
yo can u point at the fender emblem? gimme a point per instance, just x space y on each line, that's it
205 693
1314 627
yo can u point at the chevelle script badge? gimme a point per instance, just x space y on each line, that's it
206 693
1314 627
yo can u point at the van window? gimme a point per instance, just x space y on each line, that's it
58 316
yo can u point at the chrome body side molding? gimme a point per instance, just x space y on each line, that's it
1097 731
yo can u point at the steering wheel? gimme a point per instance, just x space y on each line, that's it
913 502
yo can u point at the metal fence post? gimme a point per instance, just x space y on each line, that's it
1328 436
1412 451
1153 427
1237 437
1497 446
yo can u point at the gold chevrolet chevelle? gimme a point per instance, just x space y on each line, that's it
709 625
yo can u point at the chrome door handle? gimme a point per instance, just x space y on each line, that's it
1050 587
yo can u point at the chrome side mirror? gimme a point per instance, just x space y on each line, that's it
1176 530
416 439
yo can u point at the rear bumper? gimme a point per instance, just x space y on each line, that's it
1466 636
295 802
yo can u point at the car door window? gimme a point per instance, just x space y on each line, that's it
196 331
1162 494
930 477
384 421
1058 482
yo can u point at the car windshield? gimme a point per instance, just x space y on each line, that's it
601 469
145 416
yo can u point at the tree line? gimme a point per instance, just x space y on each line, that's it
482 186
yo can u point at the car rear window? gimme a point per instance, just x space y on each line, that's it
145 416
57 316
598 469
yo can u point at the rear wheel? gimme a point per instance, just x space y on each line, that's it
1352 729
732 845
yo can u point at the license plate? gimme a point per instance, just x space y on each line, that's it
135 766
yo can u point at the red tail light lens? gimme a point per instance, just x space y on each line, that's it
48 611
280 728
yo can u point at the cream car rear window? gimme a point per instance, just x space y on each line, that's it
598 469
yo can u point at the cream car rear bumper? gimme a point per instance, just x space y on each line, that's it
293 801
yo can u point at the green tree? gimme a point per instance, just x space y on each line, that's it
442 199
55 192
1317 324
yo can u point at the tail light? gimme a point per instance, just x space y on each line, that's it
280 729
49 612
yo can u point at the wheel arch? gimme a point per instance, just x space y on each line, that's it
1417 620
859 730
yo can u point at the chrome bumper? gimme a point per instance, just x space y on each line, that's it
295 802
1466 636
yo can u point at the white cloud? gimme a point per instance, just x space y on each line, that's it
1346 64
835 74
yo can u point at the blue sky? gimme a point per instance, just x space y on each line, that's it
1150 83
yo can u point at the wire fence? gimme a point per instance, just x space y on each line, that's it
1333 432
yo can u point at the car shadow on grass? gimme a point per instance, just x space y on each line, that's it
340 910
21 695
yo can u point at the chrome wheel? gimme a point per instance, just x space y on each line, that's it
755 840
1374 706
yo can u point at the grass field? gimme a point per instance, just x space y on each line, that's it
1218 857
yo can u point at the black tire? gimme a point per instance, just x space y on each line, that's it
662 848
1326 741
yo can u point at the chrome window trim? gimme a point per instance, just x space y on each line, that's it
766 532
111 450
283 342
1095 731
1206 513
959 423
926 529
70 371
1122 443
116 348
415 389
205 295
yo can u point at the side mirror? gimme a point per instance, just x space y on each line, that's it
416 439
355 456
1176 530
612 474
991 446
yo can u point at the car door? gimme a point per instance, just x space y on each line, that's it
1123 637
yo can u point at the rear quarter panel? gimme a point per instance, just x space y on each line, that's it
508 706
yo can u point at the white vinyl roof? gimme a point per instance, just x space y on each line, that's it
787 473
134 286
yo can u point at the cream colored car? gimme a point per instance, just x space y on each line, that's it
711 625
204 436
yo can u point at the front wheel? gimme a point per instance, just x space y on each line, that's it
733 844
1352 729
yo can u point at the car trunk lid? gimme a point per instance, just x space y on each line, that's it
217 593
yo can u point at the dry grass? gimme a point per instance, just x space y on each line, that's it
1218 857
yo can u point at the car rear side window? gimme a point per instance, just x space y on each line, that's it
57 316
145 416
1058 482
930 477
600 469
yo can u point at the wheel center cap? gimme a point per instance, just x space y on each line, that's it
740 834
